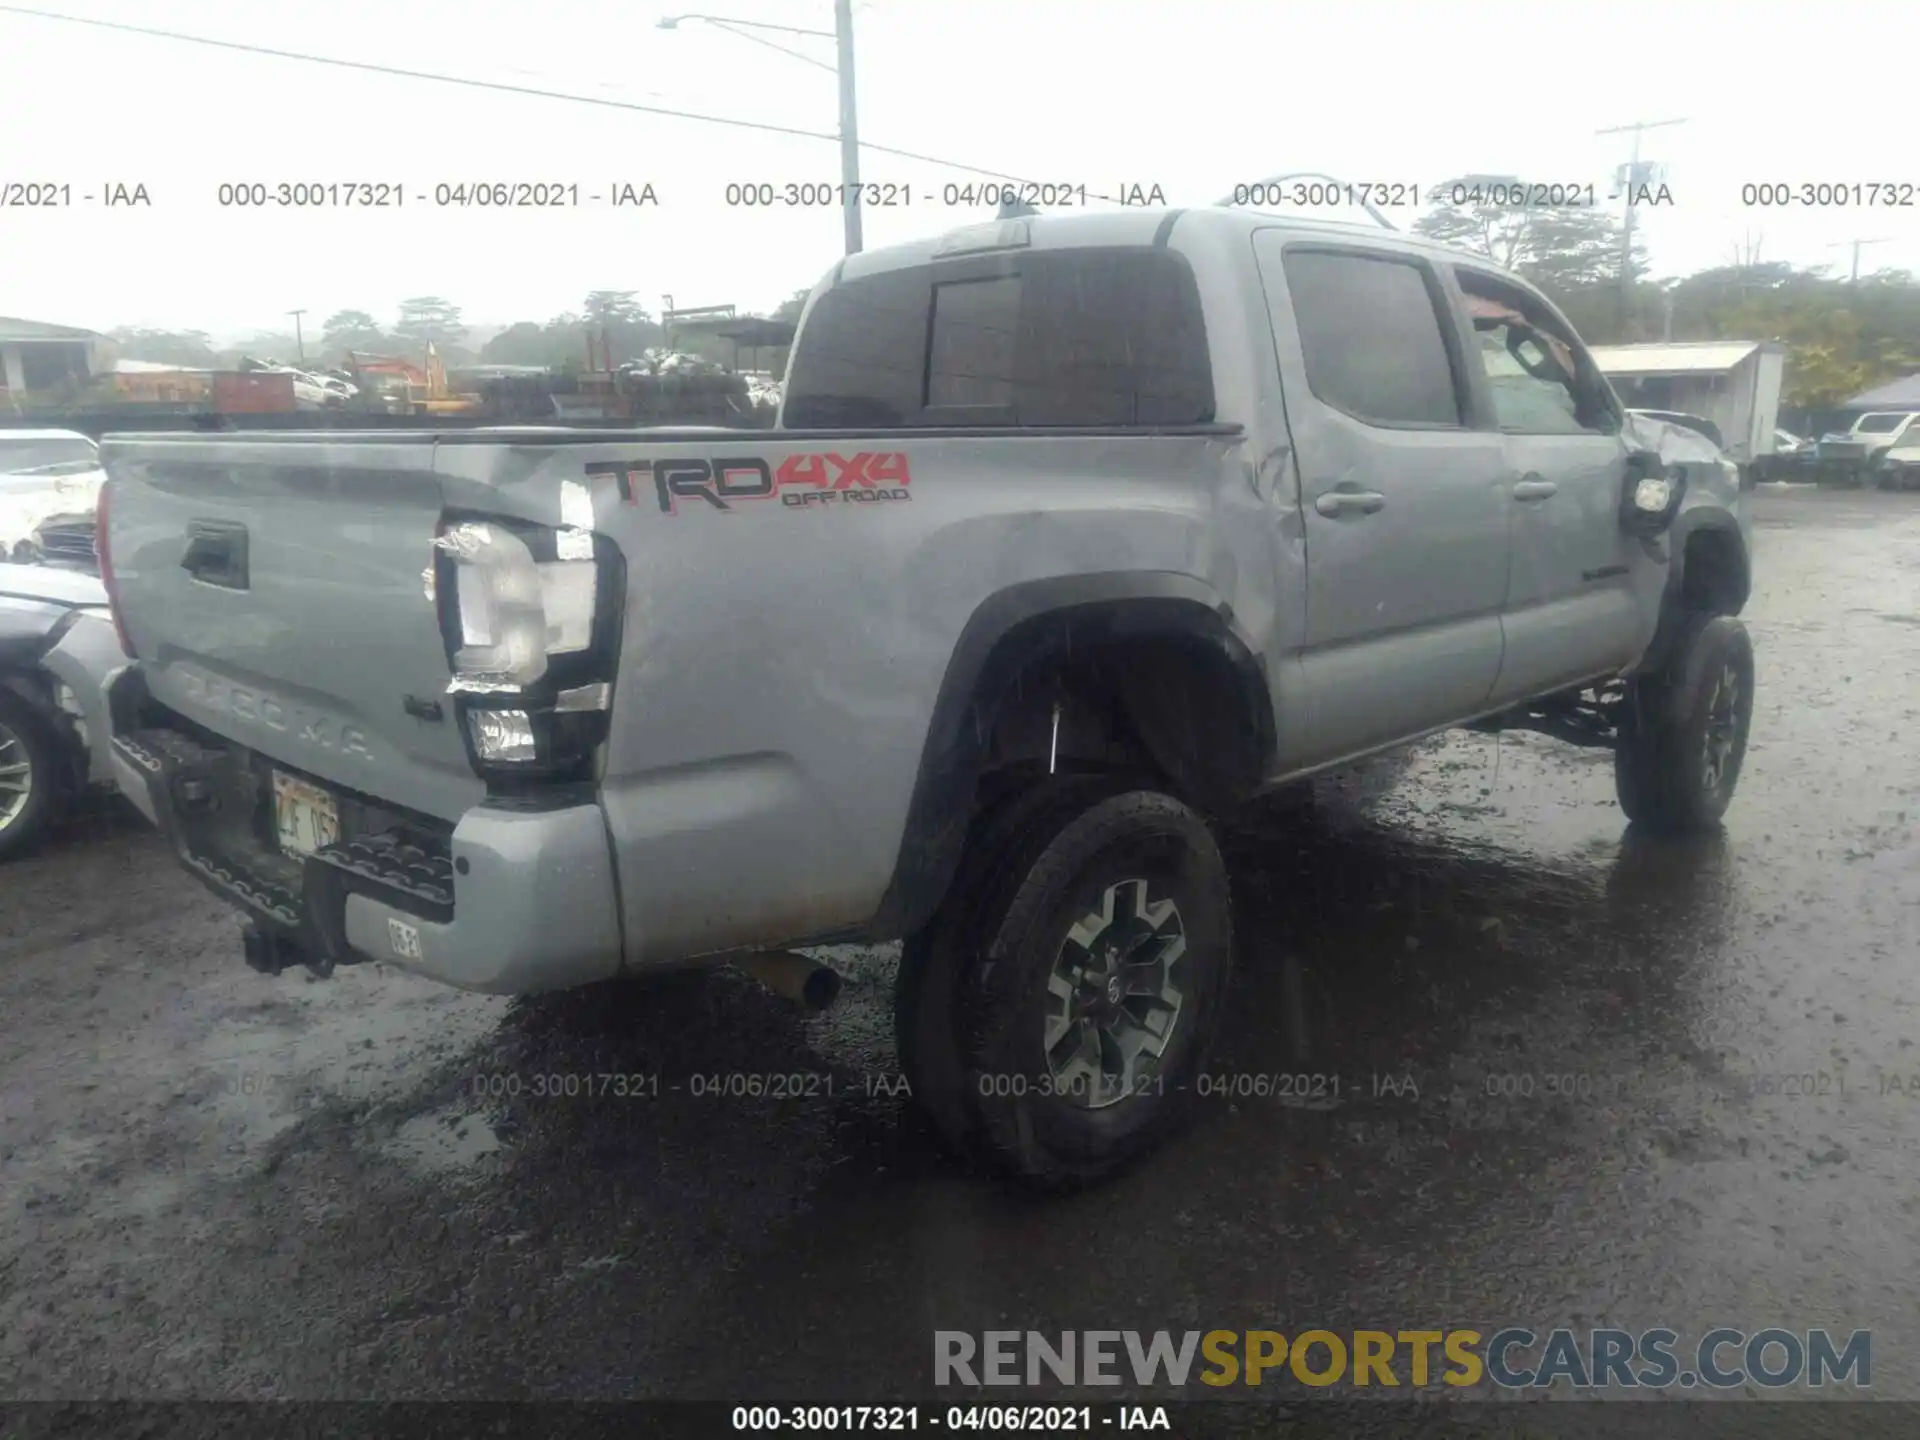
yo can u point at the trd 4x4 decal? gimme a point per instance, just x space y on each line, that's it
800 482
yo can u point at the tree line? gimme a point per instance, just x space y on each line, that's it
1842 336
615 322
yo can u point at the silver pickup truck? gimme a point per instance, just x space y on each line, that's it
1078 532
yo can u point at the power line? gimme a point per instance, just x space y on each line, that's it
527 90
771 45
1857 246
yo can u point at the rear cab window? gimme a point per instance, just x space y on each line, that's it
1071 338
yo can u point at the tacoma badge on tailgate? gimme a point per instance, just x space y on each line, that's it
314 729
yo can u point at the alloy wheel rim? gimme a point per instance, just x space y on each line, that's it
1723 729
16 777
1115 996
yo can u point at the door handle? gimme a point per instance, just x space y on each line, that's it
1535 487
1335 503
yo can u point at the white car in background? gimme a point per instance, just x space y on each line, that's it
44 474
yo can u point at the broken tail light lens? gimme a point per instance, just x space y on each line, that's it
530 615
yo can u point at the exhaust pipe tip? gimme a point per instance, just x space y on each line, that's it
821 989
806 983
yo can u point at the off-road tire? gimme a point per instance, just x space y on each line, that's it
1059 868
1661 767
39 749
938 960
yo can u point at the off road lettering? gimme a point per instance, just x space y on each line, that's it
867 476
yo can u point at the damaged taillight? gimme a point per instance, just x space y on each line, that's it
530 616
103 550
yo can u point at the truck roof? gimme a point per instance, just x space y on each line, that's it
1146 225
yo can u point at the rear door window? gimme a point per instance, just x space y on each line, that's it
1100 338
1371 338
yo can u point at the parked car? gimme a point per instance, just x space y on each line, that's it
57 648
43 474
1852 457
1794 458
1899 464
1079 531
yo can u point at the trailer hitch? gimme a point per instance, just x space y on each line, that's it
270 953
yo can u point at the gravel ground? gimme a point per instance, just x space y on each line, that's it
215 1184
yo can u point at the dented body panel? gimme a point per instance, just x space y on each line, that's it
808 618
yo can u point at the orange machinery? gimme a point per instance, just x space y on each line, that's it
389 383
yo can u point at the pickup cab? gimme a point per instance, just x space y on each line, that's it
1078 532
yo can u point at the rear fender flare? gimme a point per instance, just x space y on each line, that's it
1007 633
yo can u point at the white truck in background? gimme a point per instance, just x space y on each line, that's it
1858 456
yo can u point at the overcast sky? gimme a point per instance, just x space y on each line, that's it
1194 97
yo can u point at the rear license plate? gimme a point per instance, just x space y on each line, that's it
305 817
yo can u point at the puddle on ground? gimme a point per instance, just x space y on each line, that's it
443 1142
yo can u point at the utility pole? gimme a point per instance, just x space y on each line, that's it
842 38
1636 129
299 338
1853 276
849 124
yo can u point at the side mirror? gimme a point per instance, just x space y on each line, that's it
1652 494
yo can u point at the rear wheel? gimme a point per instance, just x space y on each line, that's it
29 777
1683 736
1096 988
937 962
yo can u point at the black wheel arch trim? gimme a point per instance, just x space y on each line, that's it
1673 610
1005 634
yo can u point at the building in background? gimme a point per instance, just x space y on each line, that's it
1734 383
38 358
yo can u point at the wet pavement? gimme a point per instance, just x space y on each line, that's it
1560 1057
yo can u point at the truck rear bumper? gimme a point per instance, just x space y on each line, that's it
534 908
513 900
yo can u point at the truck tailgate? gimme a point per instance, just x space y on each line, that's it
274 592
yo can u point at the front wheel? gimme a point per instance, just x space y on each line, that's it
1683 735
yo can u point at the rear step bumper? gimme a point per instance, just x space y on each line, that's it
522 900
